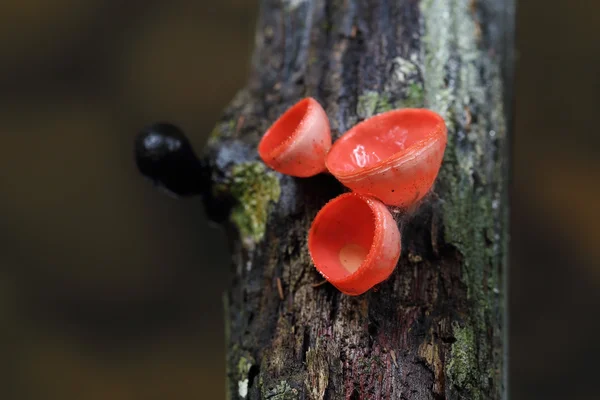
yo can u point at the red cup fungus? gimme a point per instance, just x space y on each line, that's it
394 156
354 243
297 143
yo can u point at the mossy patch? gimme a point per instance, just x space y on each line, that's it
415 96
467 182
222 130
462 368
371 103
405 84
403 89
367 104
253 188
280 391
243 372
244 365
214 135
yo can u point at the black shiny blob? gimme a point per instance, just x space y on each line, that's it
165 156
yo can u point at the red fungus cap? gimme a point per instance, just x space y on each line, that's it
394 156
354 243
296 144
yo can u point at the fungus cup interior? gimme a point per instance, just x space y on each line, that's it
342 236
381 138
284 129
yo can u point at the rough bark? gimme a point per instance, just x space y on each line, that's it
435 328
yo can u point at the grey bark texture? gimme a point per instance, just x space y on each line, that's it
435 328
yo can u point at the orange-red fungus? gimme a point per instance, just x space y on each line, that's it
354 243
394 156
296 144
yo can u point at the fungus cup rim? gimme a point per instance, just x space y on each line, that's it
376 243
396 159
278 150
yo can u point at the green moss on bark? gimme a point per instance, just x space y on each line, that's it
281 390
470 216
462 367
415 96
253 188
371 103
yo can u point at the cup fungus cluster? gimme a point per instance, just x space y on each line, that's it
390 159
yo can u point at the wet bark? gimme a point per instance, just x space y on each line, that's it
434 329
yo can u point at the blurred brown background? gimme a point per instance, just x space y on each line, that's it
111 290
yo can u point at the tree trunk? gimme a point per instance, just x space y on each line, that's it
435 328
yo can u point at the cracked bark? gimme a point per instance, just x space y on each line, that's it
435 328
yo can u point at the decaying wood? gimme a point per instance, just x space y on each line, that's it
433 330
